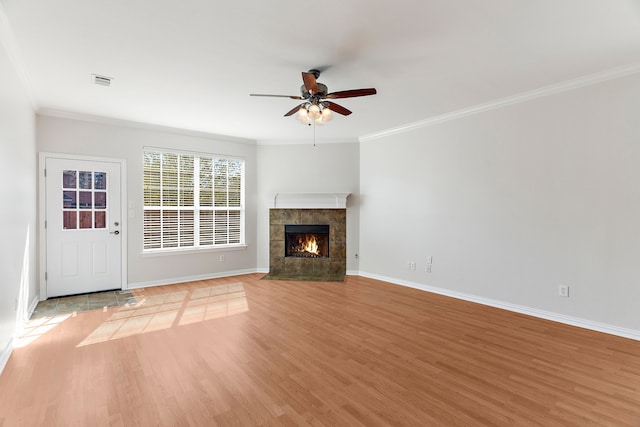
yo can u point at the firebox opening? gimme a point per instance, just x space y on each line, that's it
307 241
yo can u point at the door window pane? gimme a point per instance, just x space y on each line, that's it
68 179
85 219
85 200
100 181
69 220
100 200
84 209
100 220
85 179
69 199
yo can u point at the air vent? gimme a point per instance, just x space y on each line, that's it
102 80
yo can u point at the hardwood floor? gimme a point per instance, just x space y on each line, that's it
242 351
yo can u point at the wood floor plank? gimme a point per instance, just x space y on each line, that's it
240 351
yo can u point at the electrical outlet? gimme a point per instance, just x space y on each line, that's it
412 265
428 268
563 291
221 258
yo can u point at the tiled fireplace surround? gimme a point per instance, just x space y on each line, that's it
332 268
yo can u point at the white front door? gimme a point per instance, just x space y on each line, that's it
83 226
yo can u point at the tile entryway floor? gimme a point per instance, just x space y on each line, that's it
84 302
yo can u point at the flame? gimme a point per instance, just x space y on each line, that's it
310 244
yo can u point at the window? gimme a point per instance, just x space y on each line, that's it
192 201
84 200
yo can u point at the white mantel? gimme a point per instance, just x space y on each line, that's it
310 200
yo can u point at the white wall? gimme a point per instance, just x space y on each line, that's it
119 140
513 202
325 168
18 290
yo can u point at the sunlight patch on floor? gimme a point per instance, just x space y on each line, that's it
36 328
158 312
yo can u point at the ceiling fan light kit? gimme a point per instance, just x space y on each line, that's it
316 109
316 113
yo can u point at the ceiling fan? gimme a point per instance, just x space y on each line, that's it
316 108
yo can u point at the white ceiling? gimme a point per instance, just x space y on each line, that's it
192 64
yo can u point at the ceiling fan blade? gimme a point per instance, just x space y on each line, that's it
336 108
293 110
310 83
351 93
276 96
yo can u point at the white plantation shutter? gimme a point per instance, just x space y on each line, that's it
220 228
169 177
152 230
235 183
192 201
235 235
186 187
206 228
236 178
169 228
187 229
234 222
152 187
206 182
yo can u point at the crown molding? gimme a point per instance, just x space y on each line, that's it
8 41
139 125
564 86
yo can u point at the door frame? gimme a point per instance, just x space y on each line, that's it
42 213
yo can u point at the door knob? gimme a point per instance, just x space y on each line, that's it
115 232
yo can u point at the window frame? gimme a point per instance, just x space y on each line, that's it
233 230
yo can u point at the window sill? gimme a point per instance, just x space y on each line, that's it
191 251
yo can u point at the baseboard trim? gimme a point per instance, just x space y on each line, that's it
32 307
185 279
543 314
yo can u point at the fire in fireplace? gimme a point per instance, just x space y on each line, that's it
306 241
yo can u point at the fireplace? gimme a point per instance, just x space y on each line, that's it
307 244
306 240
